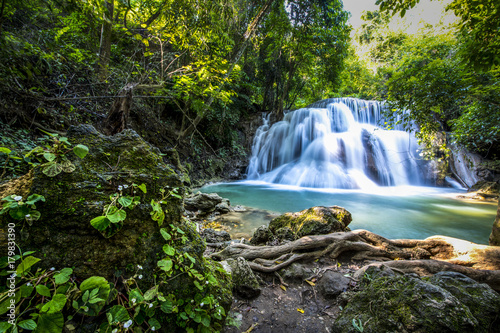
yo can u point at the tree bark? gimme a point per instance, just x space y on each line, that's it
429 256
105 44
117 118
495 232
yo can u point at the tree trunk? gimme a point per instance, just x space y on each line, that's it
117 118
495 232
105 45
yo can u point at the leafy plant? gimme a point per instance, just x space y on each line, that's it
55 156
158 214
358 325
111 221
22 210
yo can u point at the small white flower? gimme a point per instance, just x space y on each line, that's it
202 304
27 216
125 186
153 328
120 188
128 323
28 284
140 276
114 331
150 305
206 282
52 268
17 198
86 309
133 300
139 266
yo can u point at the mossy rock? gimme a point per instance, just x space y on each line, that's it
64 237
313 221
410 304
487 189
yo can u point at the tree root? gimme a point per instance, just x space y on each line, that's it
424 257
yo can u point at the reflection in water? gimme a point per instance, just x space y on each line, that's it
392 212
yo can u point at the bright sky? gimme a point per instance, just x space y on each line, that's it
426 11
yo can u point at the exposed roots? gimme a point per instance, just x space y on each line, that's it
423 257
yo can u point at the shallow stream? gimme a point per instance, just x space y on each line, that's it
394 212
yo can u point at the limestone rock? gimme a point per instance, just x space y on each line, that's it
215 236
261 236
332 284
295 272
203 202
313 221
245 283
446 302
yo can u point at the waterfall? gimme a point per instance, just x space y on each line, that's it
335 143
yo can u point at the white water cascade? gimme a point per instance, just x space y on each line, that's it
335 143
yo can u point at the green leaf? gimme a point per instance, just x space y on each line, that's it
67 166
165 234
50 323
153 322
63 276
27 324
35 215
169 250
95 282
189 257
197 284
49 156
142 187
34 198
55 305
26 264
205 320
165 264
118 314
119 215
43 290
167 306
52 169
100 222
26 290
19 212
81 150
135 294
151 293
125 201
5 150
4 326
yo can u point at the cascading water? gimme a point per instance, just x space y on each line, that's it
335 143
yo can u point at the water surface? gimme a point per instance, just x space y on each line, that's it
393 212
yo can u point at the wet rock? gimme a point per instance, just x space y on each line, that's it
205 203
295 272
332 284
446 302
245 283
486 189
215 236
261 236
313 221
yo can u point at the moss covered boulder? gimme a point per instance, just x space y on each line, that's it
313 221
446 302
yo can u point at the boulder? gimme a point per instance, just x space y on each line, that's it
296 272
215 236
333 284
261 236
245 283
313 221
203 202
446 302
